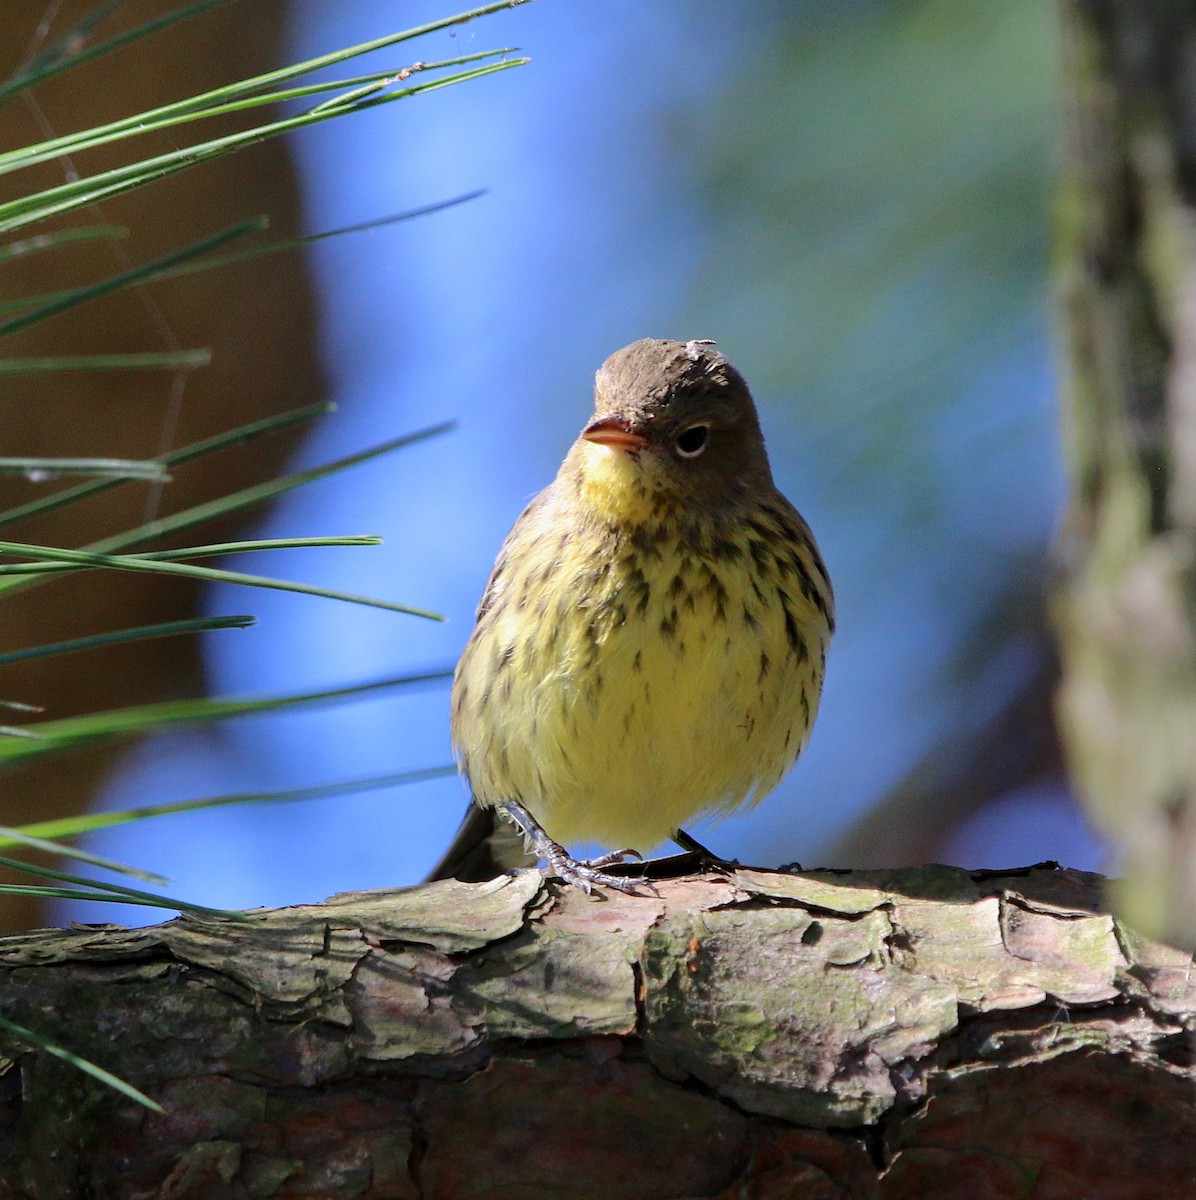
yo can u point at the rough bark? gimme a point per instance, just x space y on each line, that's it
1127 606
922 1033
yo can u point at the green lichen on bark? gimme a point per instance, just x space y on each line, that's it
443 1040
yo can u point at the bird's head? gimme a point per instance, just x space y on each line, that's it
674 427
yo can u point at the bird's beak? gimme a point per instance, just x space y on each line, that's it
616 432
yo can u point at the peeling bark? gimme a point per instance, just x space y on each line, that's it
915 1033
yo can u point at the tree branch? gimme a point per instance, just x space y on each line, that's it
824 1031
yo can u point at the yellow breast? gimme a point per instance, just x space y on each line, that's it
623 680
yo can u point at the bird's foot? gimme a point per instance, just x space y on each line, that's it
582 873
615 857
585 873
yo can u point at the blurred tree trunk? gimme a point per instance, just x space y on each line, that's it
1126 606
257 319
903 1035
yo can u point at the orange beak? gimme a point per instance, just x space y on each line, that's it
616 432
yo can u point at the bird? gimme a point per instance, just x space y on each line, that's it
651 644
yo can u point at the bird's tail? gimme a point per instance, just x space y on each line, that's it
486 845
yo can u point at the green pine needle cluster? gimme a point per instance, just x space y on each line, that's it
24 565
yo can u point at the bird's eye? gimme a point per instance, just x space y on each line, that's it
692 441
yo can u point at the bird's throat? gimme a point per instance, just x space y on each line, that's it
615 485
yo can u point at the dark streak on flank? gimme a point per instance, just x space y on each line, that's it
796 644
724 550
646 541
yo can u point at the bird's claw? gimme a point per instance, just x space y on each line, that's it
586 874
579 872
615 857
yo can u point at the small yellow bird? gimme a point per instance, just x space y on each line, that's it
651 644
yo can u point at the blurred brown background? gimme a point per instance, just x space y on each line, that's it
257 320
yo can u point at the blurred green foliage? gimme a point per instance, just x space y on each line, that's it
880 181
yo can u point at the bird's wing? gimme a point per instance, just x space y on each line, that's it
494 583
